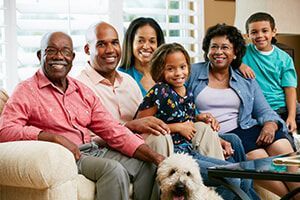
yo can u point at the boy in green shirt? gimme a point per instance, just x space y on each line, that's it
274 69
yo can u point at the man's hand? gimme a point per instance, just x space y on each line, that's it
267 134
145 153
148 125
209 119
59 139
227 148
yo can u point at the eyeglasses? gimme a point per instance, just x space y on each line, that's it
223 48
51 51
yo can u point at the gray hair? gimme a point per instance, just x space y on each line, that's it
45 39
46 36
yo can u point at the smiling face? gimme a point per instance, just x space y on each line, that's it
144 44
176 70
221 52
105 49
56 56
261 35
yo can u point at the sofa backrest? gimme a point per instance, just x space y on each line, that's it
3 99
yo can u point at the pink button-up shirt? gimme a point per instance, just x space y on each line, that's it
37 105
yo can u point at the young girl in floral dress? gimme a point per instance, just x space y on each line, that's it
170 101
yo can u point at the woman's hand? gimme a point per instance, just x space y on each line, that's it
209 119
186 129
246 71
267 134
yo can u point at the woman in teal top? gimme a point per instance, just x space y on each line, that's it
142 38
136 75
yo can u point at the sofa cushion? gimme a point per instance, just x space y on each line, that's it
85 188
35 164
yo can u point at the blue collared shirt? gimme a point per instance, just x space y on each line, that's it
254 108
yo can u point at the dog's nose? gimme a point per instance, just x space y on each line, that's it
179 189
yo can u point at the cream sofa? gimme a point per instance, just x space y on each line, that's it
36 170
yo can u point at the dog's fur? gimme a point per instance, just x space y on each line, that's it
179 179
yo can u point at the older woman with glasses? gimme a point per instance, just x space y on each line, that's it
236 102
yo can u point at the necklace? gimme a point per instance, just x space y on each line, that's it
215 82
223 80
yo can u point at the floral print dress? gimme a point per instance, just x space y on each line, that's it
172 108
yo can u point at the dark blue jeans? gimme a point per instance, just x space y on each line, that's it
236 144
239 156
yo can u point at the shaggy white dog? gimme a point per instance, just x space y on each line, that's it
179 179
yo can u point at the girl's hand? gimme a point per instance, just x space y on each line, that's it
186 129
291 124
209 119
246 71
267 134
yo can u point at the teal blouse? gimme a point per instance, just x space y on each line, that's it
136 75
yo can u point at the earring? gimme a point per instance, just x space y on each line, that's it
234 57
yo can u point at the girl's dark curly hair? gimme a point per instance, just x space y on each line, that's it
233 35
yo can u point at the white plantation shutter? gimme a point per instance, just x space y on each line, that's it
2 46
36 17
23 22
181 20
8 50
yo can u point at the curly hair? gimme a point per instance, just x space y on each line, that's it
158 59
233 35
127 60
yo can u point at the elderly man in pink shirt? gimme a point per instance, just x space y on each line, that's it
118 91
52 106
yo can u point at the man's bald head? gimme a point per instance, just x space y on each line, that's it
103 47
91 33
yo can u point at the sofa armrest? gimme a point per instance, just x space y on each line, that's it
35 164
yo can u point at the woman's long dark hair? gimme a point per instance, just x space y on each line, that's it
127 60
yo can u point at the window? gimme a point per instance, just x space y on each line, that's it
36 17
25 21
2 46
181 20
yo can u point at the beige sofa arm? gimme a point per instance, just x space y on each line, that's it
35 164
